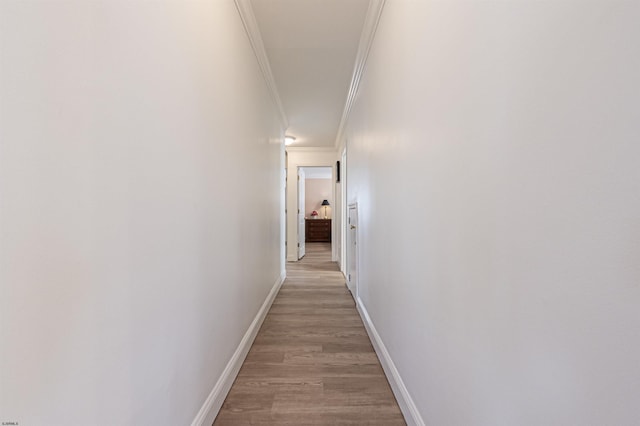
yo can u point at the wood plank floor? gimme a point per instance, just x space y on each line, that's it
312 362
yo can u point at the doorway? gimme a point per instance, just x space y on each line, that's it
315 202
314 167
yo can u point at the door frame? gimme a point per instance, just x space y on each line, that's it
352 282
301 251
344 213
307 157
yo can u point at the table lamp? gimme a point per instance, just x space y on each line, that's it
325 203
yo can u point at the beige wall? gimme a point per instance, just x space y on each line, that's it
317 190
138 141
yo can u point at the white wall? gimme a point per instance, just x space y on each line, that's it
135 139
493 151
303 157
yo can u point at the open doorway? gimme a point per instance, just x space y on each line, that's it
318 164
315 190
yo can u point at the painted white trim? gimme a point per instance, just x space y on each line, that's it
311 149
366 40
214 401
343 212
352 282
407 406
253 31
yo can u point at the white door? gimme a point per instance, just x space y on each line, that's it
301 214
343 213
352 254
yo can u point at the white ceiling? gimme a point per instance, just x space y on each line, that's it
311 46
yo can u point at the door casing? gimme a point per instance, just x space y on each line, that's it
301 213
352 249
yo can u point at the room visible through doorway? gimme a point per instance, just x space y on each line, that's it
318 205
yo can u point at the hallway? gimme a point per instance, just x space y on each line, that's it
484 188
312 362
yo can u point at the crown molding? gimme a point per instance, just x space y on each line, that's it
366 40
253 31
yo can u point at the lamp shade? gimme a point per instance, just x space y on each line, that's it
325 203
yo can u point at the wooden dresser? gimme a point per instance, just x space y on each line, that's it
318 231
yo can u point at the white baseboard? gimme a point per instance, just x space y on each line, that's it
213 403
407 406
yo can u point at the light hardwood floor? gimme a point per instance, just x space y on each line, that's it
312 362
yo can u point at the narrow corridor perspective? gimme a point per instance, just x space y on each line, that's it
312 362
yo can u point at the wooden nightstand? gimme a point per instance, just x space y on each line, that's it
318 231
